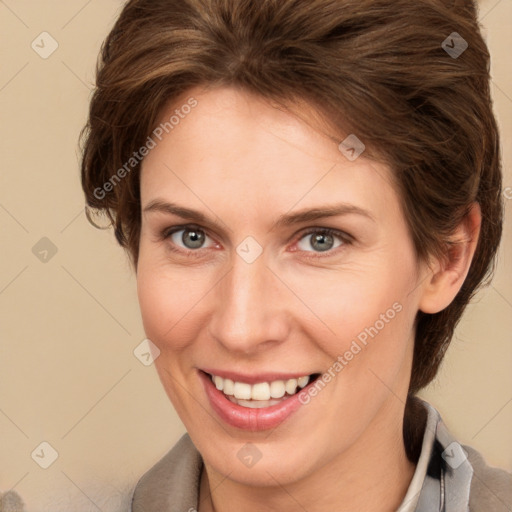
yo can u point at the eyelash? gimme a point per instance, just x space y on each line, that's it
344 237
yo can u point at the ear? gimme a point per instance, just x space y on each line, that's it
448 275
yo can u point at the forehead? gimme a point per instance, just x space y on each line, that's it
234 148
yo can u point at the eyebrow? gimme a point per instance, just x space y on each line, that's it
288 219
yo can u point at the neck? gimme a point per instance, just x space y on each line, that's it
373 475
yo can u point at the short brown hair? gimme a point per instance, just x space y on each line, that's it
375 68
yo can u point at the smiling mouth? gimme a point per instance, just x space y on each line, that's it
261 394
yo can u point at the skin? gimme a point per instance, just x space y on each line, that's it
243 164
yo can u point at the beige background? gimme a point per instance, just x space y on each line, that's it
68 326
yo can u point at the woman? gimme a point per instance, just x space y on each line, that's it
310 192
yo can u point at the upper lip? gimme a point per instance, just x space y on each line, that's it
254 378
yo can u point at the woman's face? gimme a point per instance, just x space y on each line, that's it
267 255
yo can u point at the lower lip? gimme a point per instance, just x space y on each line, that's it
244 417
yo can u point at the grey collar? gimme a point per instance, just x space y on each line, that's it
444 470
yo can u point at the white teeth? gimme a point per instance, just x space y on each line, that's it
242 390
261 394
261 391
229 387
219 382
277 389
291 386
301 381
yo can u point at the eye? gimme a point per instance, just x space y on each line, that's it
191 239
188 238
322 240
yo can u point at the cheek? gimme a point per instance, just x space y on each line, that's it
158 294
161 304
170 300
347 303
362 311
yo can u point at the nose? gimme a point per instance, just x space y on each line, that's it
250 308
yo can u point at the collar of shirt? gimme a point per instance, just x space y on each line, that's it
443 473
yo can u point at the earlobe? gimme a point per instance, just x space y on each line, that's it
446 277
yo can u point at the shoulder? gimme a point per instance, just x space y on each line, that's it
172 483
491 488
